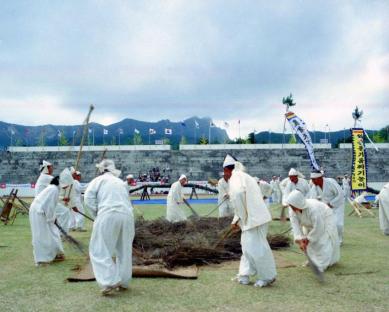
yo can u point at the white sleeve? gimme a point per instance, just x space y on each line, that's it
49 204
318 227
296 227
338 194
90 198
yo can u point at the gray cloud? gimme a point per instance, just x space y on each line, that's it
173 59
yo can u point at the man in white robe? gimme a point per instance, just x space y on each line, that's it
314 229
45 177
175 199
383 213
295 181
77 219
223 199
252 217
113 229
276 190
67 199
266 191
346 187
329 192
130 181
46 240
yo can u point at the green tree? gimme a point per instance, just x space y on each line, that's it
203 140
251 138
378 137
183 140
42 140
137 139
292 139
63 141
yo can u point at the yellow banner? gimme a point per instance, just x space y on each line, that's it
359 171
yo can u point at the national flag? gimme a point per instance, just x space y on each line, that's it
152 131
74 132
168 131
212 125
3 185
136 131
58 133
105 131
12 132
120 131
197 125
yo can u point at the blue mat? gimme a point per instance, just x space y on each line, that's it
162 201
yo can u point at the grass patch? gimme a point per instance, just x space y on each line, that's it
360 282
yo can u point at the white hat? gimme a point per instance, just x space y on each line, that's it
229 161
182 177
65 178
297 199
266 188
108 165
130 176
316 174
293 172
44 165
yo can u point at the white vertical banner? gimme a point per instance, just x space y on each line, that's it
300 128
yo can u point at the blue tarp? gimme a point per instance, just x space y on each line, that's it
162 201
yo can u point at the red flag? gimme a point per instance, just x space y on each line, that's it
3 185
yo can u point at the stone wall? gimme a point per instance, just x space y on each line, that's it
20 167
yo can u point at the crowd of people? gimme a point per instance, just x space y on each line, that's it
315 209
155 175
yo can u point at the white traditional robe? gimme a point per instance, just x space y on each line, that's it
288 187
253 217
46 239
64 210
175 197
331 194
113 230
383 213
225 207
346 188
317 223
77 220
42 182
276 194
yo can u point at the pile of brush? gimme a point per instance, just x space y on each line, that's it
196 241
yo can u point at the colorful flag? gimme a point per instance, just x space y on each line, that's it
58 133
299 127
152 131
120 131
105 131
136 131
197 125
168 131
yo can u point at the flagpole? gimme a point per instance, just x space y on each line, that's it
209 134
149 137
93 136
119 137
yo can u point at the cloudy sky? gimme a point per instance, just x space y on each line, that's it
229 60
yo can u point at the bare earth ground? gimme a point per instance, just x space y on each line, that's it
360 282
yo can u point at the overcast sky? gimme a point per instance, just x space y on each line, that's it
229 60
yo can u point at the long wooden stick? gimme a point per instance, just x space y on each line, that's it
191 209
84 134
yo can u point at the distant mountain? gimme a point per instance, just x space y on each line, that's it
334 137
52 135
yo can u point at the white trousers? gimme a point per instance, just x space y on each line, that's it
112 235
339 216
46 241
257 258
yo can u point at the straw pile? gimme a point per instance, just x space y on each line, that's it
190 242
